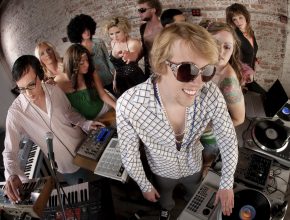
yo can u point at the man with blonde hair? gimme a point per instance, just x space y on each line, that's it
170 111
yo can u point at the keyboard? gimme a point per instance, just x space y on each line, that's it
34 196
110 164
75 194
84 201
33 162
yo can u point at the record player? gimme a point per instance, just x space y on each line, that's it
250 204
270 137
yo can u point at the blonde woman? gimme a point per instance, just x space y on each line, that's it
124 55
49 59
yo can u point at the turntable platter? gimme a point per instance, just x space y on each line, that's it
250 204
271 136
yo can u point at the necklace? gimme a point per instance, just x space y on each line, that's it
178 136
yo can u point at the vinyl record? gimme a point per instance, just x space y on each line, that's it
270 134
250 204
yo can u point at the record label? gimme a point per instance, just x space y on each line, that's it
271 133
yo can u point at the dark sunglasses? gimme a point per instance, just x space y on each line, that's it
186 71
142 10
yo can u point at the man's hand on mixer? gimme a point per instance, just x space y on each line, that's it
95 125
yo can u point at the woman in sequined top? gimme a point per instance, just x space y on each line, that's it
124 55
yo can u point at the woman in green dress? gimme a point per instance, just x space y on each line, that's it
82 84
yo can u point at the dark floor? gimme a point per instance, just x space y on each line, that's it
128 201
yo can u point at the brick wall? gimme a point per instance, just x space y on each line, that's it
23 23
285 78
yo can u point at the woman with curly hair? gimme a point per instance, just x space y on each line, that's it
82 84
80 30
124 55
49 59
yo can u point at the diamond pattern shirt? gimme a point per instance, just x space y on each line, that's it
140 116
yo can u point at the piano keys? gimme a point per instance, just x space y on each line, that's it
84 201
73 194
33 162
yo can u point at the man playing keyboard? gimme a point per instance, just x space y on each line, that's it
41 108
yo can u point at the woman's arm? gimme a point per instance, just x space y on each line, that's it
233 95
102 93
135 49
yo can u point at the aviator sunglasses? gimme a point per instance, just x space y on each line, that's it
186 71
142 10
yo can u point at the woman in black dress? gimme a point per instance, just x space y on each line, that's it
239 18
124 55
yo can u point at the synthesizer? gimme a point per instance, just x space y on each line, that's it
33 162
84 201
95 143
34 196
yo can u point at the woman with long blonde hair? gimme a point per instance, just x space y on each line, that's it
50 60
124 55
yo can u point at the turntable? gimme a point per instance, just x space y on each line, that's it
269 137
250 204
